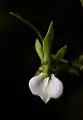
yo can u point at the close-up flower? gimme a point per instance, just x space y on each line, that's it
46 88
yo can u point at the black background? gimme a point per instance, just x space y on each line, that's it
19 60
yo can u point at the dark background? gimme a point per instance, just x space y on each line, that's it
19 60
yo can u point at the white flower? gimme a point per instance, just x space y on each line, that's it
50 87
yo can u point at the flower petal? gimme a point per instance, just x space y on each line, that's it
44 96
35 84
55 87
38 86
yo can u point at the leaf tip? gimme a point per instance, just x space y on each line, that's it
65 46
51 24
10 12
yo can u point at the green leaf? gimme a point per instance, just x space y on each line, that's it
81 59
47 42
60 54
81 2
64 61
81 68
39 50
78 62
73 71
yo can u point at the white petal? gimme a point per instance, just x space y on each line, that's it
44 94
35 84
55 87
38 86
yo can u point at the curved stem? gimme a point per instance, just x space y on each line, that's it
28 23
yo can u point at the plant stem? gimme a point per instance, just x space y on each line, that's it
29 24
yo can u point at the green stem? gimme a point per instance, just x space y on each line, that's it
30 25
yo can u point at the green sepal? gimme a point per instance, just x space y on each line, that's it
47 42
39 50
60 54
